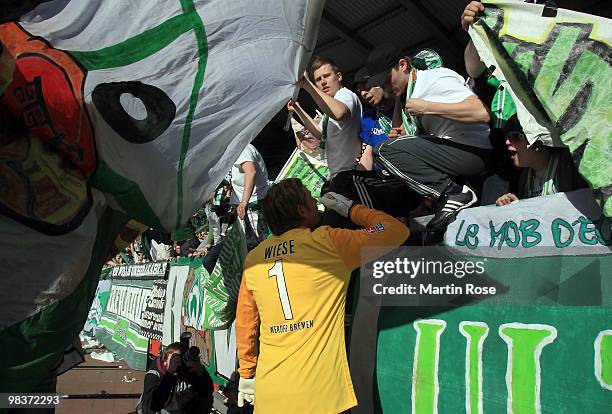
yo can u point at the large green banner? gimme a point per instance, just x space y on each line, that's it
205 304
544 345
209 305
210 299
186 311
476 359
222 285
120 328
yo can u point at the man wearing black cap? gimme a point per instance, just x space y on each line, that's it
376 116
447 132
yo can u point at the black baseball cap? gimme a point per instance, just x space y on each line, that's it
361 75
380 61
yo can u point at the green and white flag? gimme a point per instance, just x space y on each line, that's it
118 110
562 224
311 171
120 329
556 65
212 298
222 285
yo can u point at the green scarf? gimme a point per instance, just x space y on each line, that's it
502 106
549 187
411 123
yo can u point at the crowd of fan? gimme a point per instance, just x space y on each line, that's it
204 229
452 143
411 138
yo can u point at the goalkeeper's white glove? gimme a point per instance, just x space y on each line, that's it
246 391
337 202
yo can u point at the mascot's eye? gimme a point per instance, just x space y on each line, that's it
138 112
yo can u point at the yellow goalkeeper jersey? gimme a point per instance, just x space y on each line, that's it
290 314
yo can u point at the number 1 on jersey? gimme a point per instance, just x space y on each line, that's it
277 270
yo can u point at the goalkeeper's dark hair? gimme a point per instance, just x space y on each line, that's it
280 205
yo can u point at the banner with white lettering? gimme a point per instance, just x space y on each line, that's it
177 277
217 346
155 270
152 324
226 360
120 328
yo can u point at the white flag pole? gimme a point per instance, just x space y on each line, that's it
290 114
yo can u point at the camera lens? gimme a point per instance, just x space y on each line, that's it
193 354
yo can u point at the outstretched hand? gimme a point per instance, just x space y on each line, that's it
303 81
338 203
470 14
292 105
506 199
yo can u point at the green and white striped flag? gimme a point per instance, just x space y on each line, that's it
212 298
116 110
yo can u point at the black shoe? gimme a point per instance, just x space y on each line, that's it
455 199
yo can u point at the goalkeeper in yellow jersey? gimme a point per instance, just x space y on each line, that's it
290 315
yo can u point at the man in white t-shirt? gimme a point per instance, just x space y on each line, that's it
249 186
451 143
341 122
338 129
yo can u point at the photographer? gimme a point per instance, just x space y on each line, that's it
177 383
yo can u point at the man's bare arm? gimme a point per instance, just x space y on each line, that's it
307 120
332 107
470 111
473 64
